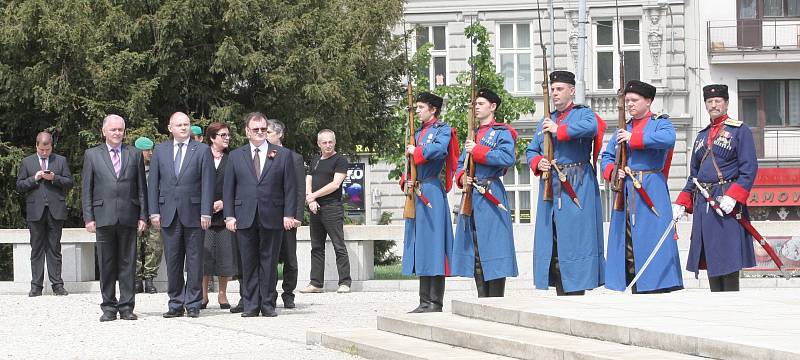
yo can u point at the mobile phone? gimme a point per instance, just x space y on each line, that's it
48 172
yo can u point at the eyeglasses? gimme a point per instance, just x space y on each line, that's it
257 130
224 135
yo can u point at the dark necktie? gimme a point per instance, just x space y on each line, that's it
257 163
44 163
178 157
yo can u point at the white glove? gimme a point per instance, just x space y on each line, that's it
727 203
678 211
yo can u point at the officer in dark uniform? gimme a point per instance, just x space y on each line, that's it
723 162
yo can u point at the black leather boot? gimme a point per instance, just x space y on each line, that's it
730 282
139 288
496 287
436 293
424 295
149 287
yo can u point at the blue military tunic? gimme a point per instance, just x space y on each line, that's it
649 150
725 245
493 155
428 240
579 231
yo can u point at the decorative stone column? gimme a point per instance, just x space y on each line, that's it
655 40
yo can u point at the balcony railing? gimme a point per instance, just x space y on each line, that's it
753 35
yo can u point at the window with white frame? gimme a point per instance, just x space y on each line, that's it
437 36
606 57
517 182
514 55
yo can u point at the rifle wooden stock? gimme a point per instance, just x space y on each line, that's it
547 147
469 161
410 210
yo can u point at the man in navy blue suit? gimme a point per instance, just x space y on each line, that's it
260 184
180 193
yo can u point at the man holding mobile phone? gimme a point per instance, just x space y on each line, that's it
44 178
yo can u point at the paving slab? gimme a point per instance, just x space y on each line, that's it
751 324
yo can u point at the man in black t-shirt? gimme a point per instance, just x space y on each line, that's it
324 198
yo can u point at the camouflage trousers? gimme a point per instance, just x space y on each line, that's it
148 253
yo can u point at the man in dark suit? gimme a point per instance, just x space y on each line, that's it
44 178
113 195
260 184
288 254
180 190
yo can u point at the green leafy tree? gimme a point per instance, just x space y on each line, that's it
457 96
314 64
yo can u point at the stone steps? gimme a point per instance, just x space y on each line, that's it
729 328
513 341
374 344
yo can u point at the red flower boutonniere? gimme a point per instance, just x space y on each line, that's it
272 154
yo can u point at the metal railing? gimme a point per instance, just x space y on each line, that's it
738 36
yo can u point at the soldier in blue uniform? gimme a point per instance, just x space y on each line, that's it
483 247
724 162
563 230
634 232
428 240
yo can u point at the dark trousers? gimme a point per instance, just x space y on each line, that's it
259 249
288 257
727 282
328 221
46 245
116 252
182 243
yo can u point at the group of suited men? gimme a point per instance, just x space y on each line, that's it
118 199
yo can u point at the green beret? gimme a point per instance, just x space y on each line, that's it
197 130
143 143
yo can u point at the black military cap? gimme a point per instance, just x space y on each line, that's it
642 88
562 77
430 99
489 95
715 90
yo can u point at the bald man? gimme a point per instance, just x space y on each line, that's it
180 193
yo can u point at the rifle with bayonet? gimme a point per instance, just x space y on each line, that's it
469 161
547 147
621 160
409 211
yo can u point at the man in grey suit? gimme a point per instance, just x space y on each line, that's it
260 184
45 178
113 196
180 191
288 254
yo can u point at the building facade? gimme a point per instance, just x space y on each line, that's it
678 46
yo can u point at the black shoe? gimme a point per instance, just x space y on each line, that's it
108 316
127 315
224 306
288 302
238 308
420 309
173 313
35 293
269 312
139 287
149 287
249 314
204 304
193 313
60 291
